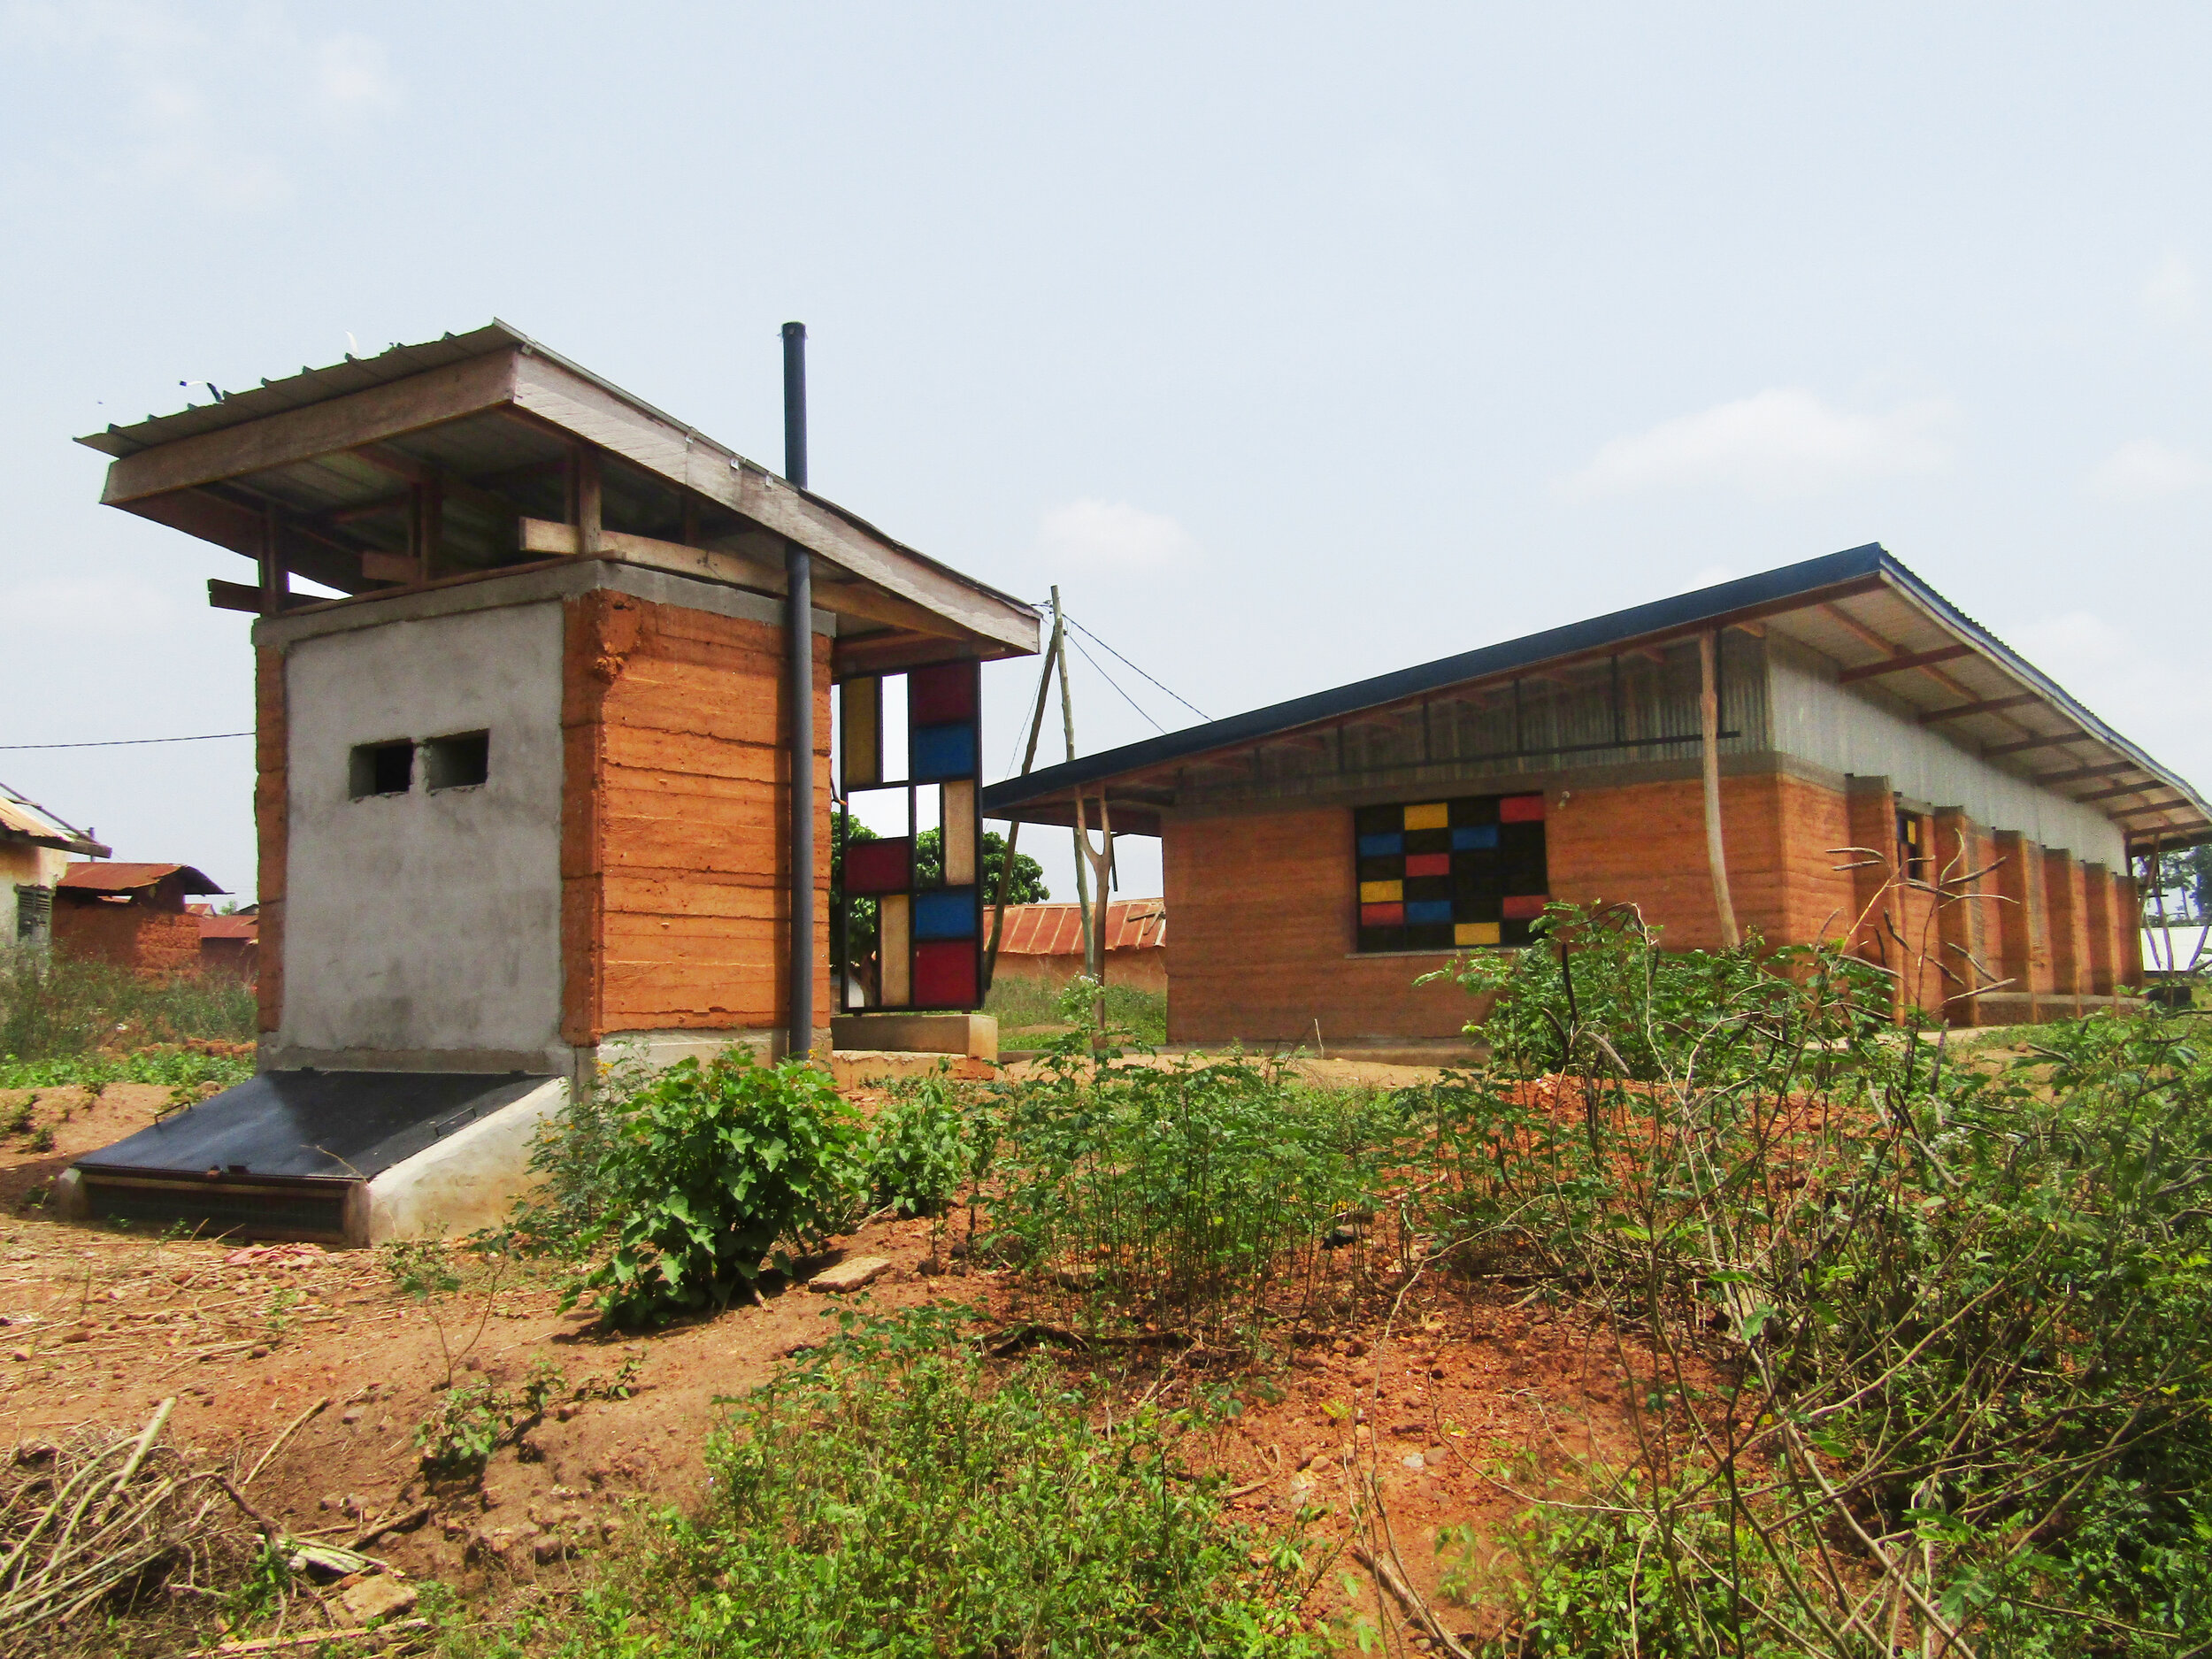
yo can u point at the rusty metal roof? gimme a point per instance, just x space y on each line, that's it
1057 930
227 926
114 877
25 820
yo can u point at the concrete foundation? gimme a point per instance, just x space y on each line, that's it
467 1181
973 1035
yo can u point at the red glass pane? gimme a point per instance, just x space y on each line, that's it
1382 915
1428 863
1521 809
946 692
944 974
878 866
1525 908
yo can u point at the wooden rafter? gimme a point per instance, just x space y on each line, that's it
1899 664
2079 774
2025 744
1981 705
2125 789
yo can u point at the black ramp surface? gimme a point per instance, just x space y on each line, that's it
346 1126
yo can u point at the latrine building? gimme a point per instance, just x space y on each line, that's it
1888 773
543 762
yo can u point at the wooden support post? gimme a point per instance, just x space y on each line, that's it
276 580
590 498
1067 725
1716 855
1014 828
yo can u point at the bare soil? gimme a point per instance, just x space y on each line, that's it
1433 1392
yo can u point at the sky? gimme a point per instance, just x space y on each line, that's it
1293 344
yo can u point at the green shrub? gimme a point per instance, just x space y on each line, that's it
919 1152
1174 1191
707 1170
1028 1007
892 1498
1958 1319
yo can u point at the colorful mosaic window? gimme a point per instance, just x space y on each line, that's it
929 928
1447 875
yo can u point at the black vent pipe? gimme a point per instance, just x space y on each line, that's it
799 691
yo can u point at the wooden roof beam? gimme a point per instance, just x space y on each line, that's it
1899 664
2025 744
2081 773
1865 633
1981 705
2125 789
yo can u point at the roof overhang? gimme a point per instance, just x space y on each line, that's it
462 457
1860 609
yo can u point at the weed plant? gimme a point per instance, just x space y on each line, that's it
1919 1350
892 1498
58 1009
1025 1007
919 1151
706 1169
1174 1191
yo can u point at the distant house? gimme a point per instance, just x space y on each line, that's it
1045 942
228 944
133 916
34 848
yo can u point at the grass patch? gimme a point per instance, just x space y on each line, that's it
1031 1007
60 1009
894 1497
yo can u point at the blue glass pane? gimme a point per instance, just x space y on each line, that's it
949 913
1381 846
1469 836
1428 911
944 751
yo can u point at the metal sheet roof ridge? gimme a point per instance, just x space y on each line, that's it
1787 581
2051 691
271 397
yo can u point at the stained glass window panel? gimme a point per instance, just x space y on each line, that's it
1456 874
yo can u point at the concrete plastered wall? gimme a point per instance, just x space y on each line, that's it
425 927
1855 729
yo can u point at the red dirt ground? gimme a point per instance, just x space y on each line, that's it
99 1326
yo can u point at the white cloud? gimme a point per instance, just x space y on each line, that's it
353 74
2170 295
1782 442
2144 469
1114 535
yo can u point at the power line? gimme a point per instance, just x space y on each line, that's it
1116 684
1132 668
126 742
1126 663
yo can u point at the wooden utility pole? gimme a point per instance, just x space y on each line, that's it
1709 714
1082 841
1014 827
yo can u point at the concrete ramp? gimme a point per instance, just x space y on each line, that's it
338 1157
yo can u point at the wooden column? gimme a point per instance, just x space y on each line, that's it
1716 854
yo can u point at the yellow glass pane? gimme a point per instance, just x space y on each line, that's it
1475 934
1437 816
959 838
1381 892
862 706
894 932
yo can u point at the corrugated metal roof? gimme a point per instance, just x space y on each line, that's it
1057 930
1913 617
228 927
118 878
24 820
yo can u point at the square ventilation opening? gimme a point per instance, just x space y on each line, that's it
457 762
381 769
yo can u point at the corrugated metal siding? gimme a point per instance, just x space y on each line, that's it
1850 729
1569 718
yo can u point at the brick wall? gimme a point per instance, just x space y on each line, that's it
2064 905
675 888
128 936
1263 903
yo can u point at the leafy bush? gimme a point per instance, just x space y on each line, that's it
892 1498
1919 1350
1021 1005
61 1007
707 1170
473 1420
919 1150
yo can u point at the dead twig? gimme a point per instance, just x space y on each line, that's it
1416 1609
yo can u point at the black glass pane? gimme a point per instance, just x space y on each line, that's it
1428 841
1419 888
1430 936
1381 869
1382 939
1378 821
